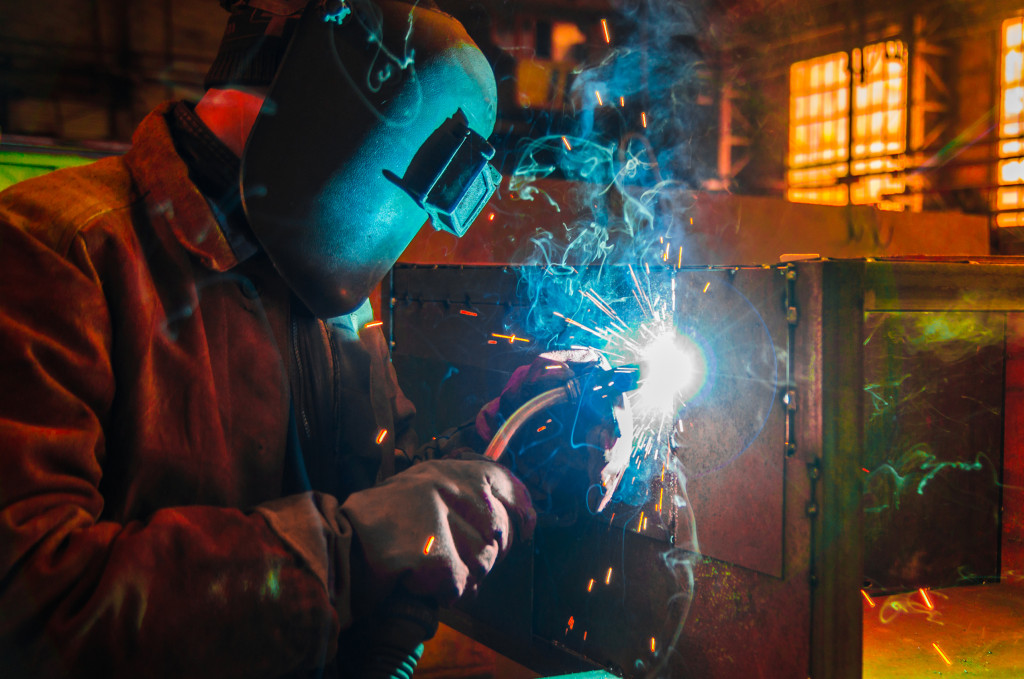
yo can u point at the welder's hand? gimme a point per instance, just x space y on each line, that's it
435 530
547 371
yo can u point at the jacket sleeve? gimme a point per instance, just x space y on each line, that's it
191 591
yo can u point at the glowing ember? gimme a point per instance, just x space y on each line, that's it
430 543
511 338
939 651
381 436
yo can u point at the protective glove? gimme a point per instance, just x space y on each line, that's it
435 530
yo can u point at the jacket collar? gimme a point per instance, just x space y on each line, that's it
169 194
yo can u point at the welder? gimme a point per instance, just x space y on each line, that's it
200 426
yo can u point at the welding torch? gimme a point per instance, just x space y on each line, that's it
397 644
587 391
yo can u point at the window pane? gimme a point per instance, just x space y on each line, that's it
1009 199
819 118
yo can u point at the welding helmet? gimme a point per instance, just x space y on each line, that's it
375 121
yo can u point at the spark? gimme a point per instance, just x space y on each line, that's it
605 309
652 644
599 101
492 341
374 324
622 102
939 651
552 367
707 285
642 293
868 598
643 119
381 436
512 339
566 142
607 35
668 246
679 264
584 635
490 217
542 428
578 324
927 601
468 313
590 585
640 523
430 543
608 577
661 494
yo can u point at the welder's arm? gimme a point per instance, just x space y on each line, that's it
197 591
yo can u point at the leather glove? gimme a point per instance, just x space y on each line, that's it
435 530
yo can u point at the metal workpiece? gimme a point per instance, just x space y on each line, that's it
840 405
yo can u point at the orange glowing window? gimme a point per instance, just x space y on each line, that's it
819 121
879 136
1010 169
848 118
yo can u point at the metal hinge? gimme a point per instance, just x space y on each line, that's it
789 395
792 313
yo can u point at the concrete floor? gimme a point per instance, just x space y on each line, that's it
979 630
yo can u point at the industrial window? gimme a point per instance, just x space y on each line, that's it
1010 192
819 115
834 135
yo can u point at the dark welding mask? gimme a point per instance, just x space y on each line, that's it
376 121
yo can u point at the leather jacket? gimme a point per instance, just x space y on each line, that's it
154 518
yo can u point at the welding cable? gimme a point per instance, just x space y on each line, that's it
618 380
395 645
547 399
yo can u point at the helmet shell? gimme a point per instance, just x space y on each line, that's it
357 94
